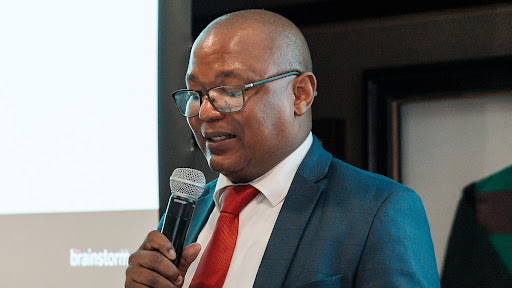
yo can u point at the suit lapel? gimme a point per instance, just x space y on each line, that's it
293 218
204 207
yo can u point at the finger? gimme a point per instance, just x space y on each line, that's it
134 285
155 262
137 276
131 284
156 241
188 256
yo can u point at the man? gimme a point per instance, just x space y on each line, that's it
316 221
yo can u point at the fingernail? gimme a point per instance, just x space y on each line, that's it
172 254
179 280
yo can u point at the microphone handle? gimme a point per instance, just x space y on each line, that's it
177 220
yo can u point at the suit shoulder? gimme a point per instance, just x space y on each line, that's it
363 183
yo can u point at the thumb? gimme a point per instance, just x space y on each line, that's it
188 256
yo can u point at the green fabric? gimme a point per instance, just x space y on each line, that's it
500 181
503 246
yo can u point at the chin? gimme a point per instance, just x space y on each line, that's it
214 163
219 166
224 166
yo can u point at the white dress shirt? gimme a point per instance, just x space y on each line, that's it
256 220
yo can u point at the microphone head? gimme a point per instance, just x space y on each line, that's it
187 182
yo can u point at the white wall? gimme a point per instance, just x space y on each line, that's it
448 144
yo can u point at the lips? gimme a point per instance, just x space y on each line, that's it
220 138
217 136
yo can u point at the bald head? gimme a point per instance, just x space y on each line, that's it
251 46
284 42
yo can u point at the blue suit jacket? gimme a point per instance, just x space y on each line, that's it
341 227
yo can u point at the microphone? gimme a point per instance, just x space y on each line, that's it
187 185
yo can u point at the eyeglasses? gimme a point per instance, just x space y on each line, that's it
224 98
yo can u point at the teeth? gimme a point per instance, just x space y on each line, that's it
219 138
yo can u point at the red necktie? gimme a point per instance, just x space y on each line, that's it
213 267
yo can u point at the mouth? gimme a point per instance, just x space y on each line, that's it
218 136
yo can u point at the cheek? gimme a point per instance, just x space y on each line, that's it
277 113
196 129
192 124
271 122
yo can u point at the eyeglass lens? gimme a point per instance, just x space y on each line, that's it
225 99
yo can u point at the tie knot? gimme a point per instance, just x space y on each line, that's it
236 197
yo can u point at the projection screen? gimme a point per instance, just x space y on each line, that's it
78 149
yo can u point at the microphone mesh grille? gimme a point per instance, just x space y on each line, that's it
187 182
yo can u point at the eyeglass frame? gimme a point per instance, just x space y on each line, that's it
245 87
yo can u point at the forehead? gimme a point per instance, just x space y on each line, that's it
230 52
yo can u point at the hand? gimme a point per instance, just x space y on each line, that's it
151 266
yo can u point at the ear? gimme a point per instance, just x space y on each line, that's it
304 89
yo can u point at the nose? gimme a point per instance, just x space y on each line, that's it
207 112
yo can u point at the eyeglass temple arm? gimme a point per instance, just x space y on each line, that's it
274 78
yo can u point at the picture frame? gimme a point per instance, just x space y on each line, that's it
387 89
424 130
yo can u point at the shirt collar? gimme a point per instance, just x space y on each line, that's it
274 184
